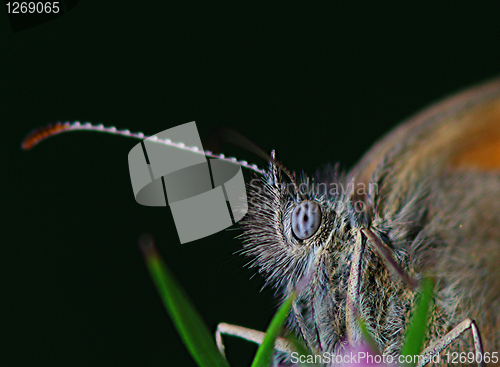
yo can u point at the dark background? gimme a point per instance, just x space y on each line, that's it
317 83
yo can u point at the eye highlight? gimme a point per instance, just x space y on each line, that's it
306 218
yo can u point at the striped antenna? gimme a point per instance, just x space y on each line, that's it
43 133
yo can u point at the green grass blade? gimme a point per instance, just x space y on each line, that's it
414 338
266 349
188 322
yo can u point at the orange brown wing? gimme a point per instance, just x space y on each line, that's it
452 151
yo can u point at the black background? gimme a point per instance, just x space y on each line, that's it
317 83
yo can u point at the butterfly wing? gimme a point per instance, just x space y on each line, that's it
445 162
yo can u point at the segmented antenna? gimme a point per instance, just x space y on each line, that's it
43 133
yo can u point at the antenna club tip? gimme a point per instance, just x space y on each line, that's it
43 133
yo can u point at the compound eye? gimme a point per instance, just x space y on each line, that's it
306 218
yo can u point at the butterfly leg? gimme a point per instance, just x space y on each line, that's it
437 346
281 344
353 285
384 252
354 281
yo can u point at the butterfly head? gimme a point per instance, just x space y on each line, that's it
294 224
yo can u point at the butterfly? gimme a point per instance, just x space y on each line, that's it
423 201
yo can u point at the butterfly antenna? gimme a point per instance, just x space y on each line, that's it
43 133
